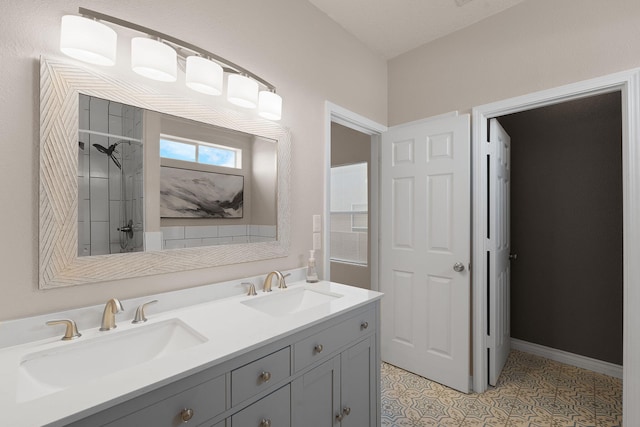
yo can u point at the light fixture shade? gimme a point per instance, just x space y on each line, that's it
88 40
270 105
154 59
242 91
203 75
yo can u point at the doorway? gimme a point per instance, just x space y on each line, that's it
566 227
627 84
351 185
350 123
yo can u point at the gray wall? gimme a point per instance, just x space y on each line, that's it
347 147
566 212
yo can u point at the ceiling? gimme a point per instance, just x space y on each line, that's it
392 27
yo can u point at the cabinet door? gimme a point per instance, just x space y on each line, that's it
358 385
316 395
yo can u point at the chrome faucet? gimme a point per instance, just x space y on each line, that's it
267 281
112 307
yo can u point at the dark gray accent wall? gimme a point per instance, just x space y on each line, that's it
566 226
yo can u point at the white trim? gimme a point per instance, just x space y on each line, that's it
337 114
565 357
428 119
628 83
352 120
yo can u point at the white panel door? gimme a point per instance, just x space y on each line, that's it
499 245
425 233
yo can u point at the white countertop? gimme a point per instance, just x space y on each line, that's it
230 328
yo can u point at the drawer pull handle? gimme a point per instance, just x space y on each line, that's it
364 325
346 411
265 423
318 348
339 417
186 415
265 376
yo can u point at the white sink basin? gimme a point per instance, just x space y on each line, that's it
45 372
287 301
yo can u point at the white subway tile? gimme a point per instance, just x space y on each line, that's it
204 231
115 127
98 162
99 199
174 244
232 230
98 113
152 240
172 233
193 243
99 238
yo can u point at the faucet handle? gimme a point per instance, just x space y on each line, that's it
252 288
283 284
140 317
71 332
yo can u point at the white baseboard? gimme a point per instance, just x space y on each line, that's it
572 359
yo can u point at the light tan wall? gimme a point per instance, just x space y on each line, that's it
538 44
309 58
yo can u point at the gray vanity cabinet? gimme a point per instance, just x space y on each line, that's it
324 375
339 392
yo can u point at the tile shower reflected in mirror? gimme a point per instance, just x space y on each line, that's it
110 173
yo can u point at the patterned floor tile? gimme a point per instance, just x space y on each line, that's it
531 391
609 421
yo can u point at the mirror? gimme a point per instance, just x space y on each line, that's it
216 186
61 84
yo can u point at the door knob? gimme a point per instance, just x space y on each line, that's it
513 257
458 267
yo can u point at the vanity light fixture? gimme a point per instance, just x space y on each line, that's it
204 75
154 59
158 56
88 40
242 91
269 105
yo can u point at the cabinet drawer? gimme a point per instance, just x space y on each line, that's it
325 342
273 410
205 402
251 379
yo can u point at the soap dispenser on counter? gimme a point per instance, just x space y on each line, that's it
312 273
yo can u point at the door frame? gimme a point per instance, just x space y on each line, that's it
628 83
337 114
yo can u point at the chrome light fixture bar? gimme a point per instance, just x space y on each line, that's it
155 57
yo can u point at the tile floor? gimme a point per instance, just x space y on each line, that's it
532 391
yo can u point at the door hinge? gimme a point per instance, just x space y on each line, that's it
490 342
